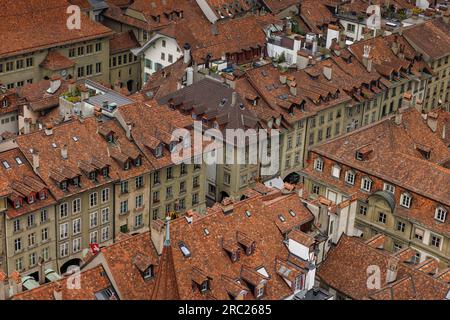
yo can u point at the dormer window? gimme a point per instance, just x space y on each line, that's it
259 292
405 200
92 175
17 203
336 171
138 162
76 181
389 188
149 273
440 214
366 184
105 172
158 151
4 103
350 177
63 185
204 287
359 156
42 195
126 165
110 137
318 164
31 198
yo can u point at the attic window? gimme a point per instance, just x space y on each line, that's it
138 162
282 218
359 156
204 287
6 164
292 213
110 138
248 213
18 160
158 151
76 181
31 199
184 250
17 204
92 175
63 186
440 214
126 165
105 172
43 195
148 274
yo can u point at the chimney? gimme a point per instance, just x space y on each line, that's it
57 292
391 273
157 233
187 53
3 286
15 282
394 45
398 118
233 98
293 88
35 163
302 60
84 92
189 76
48 129
26 125
189 216
369 65
327 71
128 130
64 152
41 273
366 55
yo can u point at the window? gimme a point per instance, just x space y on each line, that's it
44 234
46 254
182 186
138 221
382 217
260 292
63 231
155 214
418 234
169 173
31 239
32 259
316 189
98 67
169 193
397 247
389 188
170 58
139 182
156 179
89 49
98 46
30 62
435 241
19 264
336 171
31 220
105 215
76 227
416 258
195 183
124 207
93 199
63 212
195 199
124 187
19 64
76 245
405 200
93 220
148 274
139 201
71 53
44 215
318 164
17 244
64 250
105 195
163 56
76 206
363 210
183 168
80 72
401 226
105 234
93 237
350 177
80 51
89 70
366 184
226 178
440 214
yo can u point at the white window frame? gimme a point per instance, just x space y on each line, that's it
63 231
348 174
388 188
336 171
405 200
105 231
63 207
76 226
64 249
366 184
76 206
318 164
93 199
93 217
76 245
105 195
440 214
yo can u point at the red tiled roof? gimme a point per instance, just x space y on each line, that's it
122 42
46 18
56 61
